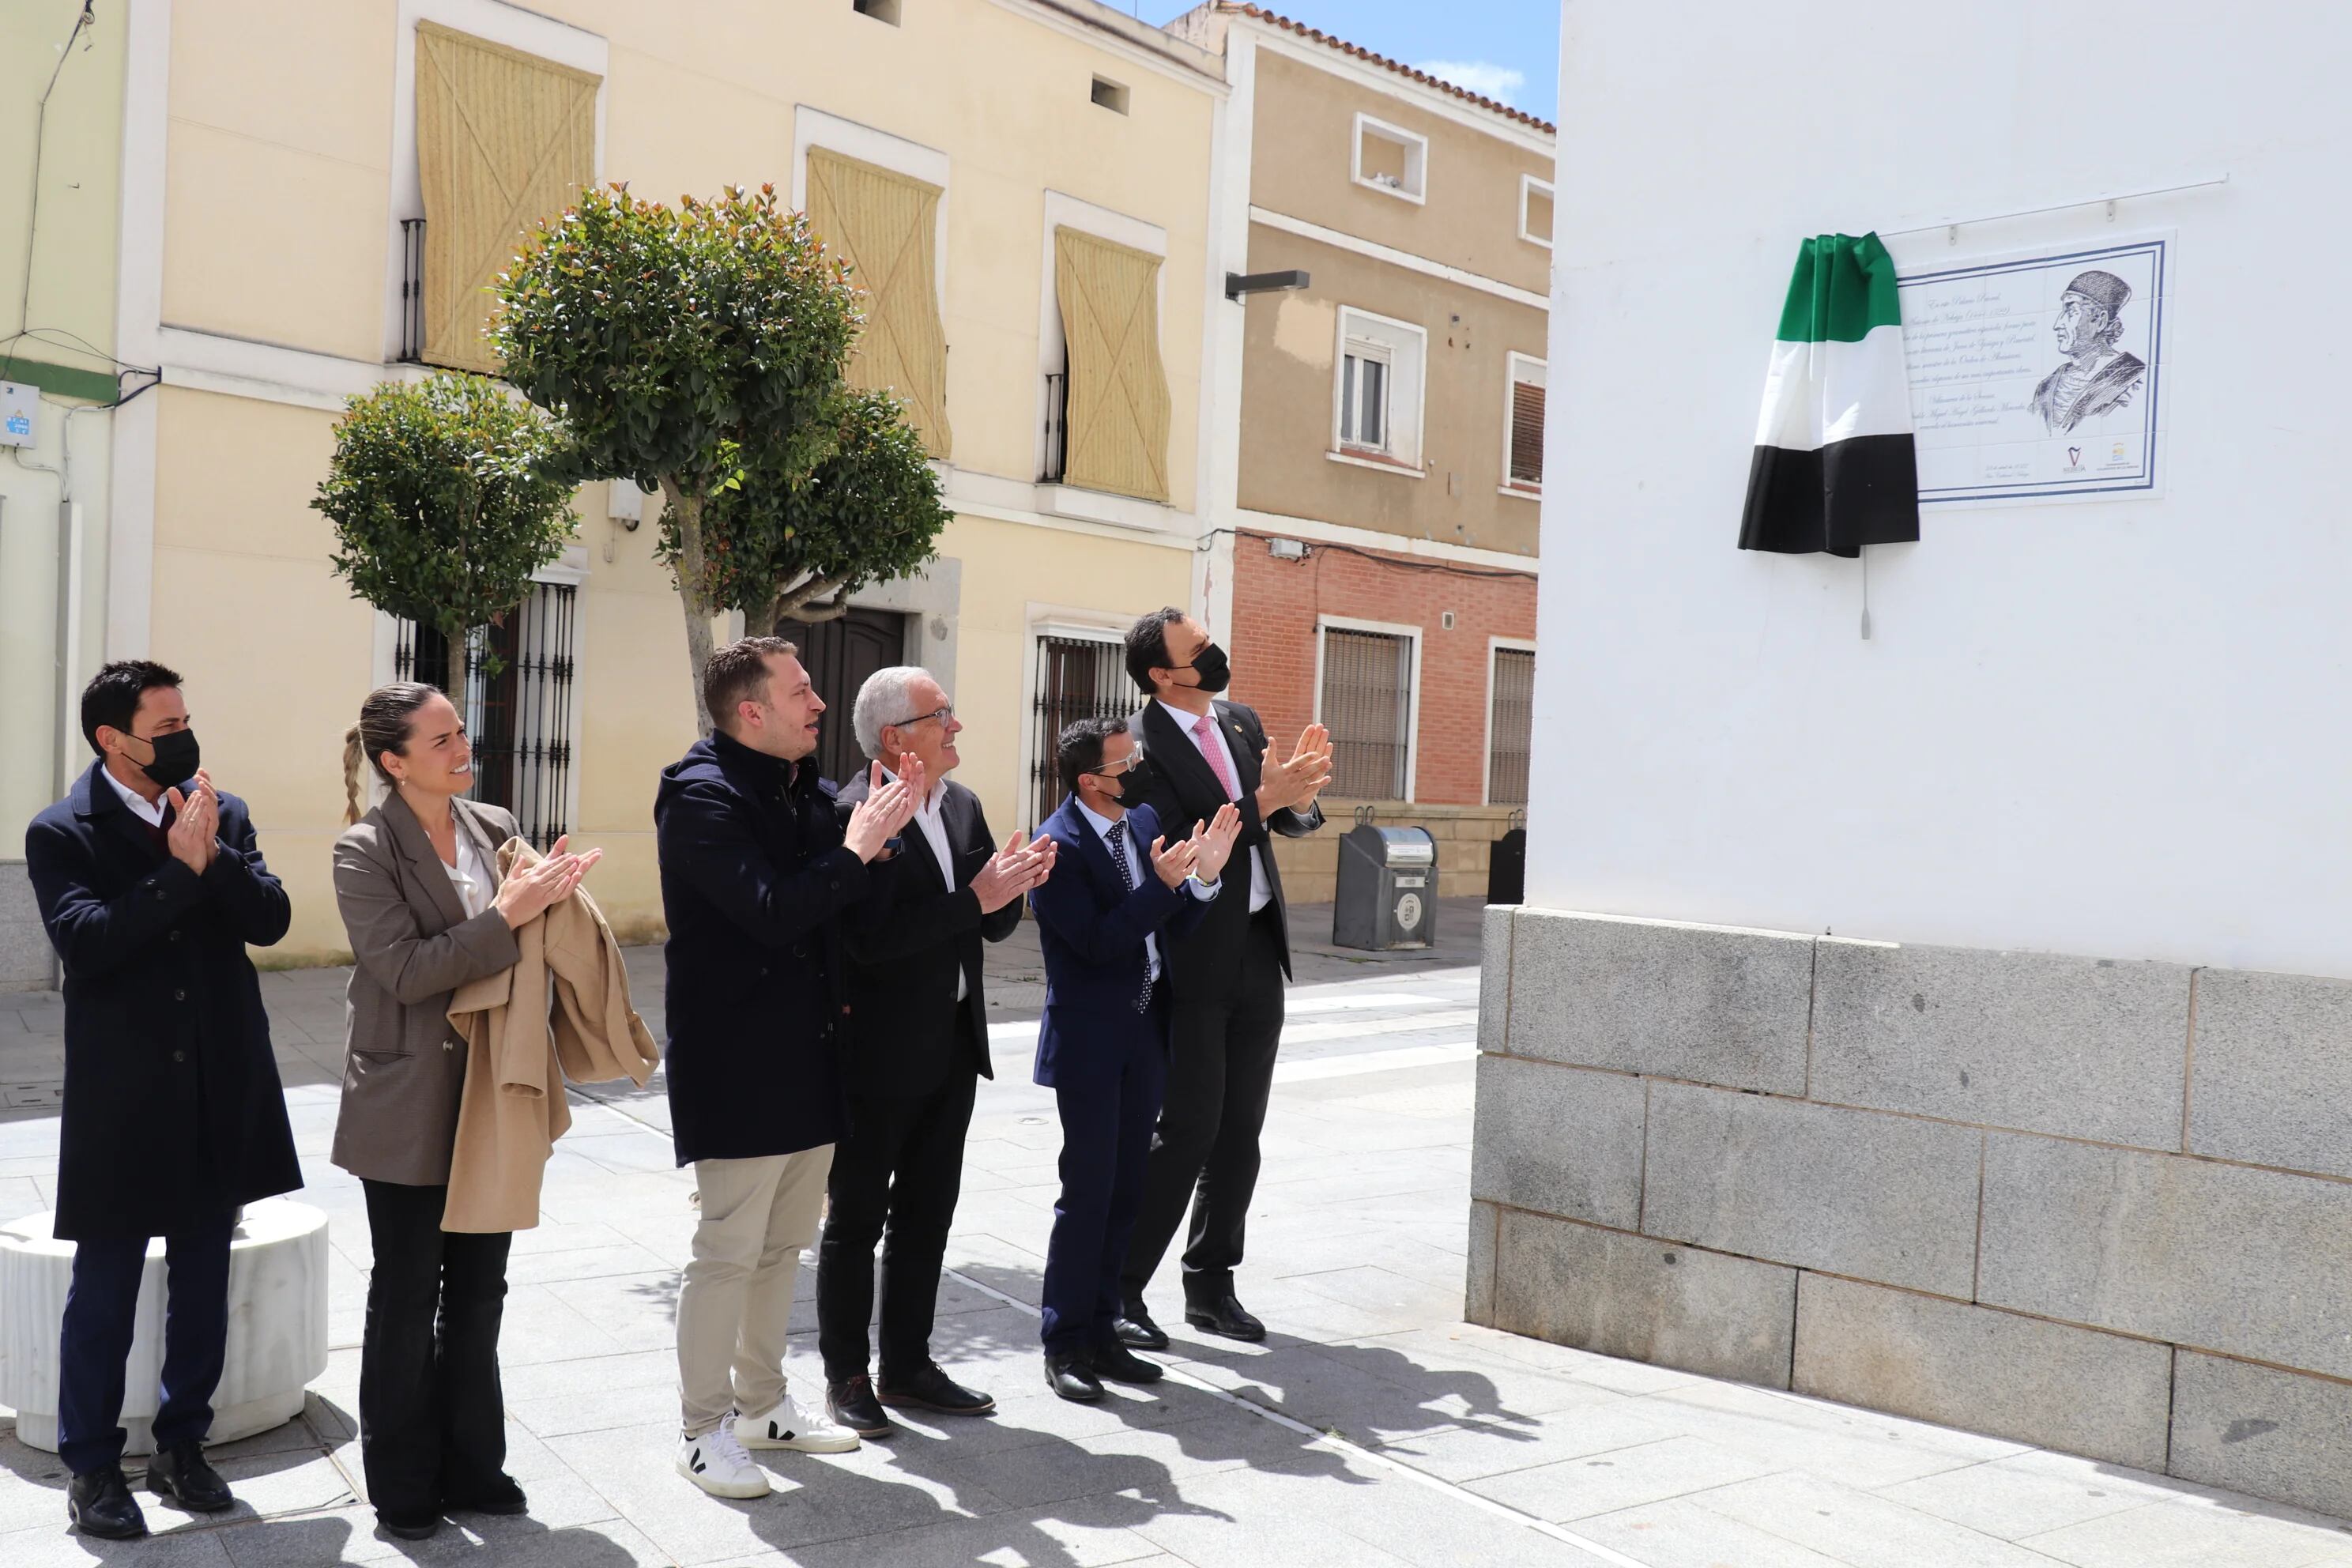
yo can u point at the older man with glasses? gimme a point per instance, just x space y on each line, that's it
917 1048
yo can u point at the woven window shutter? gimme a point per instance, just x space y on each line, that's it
1119 404
886 226
503 139
1527 433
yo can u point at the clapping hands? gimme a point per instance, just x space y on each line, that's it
534 891
1013 870
195 835
1213 842
889 805
1297 781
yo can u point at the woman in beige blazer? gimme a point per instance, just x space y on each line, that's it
417 881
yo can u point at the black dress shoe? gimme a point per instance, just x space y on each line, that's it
1135 1330
1070 1376
932 1389
1120 1364
500 1497
409 1526
101 1504
851 1402
182 1476
1224 1316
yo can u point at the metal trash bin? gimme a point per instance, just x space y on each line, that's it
1387 895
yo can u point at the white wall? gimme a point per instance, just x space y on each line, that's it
2112 728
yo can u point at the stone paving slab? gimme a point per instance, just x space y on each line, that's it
1373 1428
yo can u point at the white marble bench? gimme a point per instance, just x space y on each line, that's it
277 1325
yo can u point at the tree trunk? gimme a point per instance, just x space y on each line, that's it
458 646
691 574
798 602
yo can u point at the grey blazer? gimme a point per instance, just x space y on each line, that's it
403 1066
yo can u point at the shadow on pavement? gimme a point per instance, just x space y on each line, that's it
1369 1394
1038 1475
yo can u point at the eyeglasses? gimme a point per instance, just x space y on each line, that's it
944 715
1124 766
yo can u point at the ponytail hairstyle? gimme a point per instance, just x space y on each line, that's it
383 725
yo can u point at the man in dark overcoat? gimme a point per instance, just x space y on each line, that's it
758 870
151 886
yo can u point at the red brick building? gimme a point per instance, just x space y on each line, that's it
1338 628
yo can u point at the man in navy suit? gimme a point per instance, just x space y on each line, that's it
1116 888
152 884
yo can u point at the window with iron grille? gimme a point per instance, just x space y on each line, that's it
1525 424
519 720
1368 706
1511 714
1078 677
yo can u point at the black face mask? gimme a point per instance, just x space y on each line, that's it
176 759
1211 673
1132 784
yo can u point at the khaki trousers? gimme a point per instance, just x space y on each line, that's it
735 1307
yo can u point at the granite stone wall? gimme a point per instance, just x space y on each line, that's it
2100 1205
26 959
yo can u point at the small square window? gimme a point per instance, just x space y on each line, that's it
1110 95
881 10
1392 159
1535 211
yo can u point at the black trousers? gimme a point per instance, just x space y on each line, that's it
101 1313
432 1413
898 1174
1204 1152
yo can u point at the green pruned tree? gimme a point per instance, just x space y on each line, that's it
446 494
868 511
696 350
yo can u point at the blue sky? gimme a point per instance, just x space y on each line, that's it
1507 49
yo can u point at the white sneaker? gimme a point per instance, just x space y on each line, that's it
716 1463
790 1426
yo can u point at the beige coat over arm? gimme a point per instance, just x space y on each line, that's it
413 946
521 1048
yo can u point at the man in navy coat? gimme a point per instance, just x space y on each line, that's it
757 870
151 884
1116 888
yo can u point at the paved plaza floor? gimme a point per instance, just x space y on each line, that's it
1374 1427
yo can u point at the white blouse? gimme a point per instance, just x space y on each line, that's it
471 875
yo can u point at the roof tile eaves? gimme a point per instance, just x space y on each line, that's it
1245 8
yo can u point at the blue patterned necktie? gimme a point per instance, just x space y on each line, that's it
1117 837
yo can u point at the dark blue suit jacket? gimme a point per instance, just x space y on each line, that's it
1092 930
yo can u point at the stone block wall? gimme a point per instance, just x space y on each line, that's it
2104 1207
1465 835
27 960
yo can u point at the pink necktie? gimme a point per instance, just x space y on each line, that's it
1205 735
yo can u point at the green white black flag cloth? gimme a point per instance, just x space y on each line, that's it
1835 467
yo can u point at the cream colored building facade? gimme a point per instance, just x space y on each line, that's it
272 152
61 89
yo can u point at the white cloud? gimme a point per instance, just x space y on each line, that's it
1499 82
